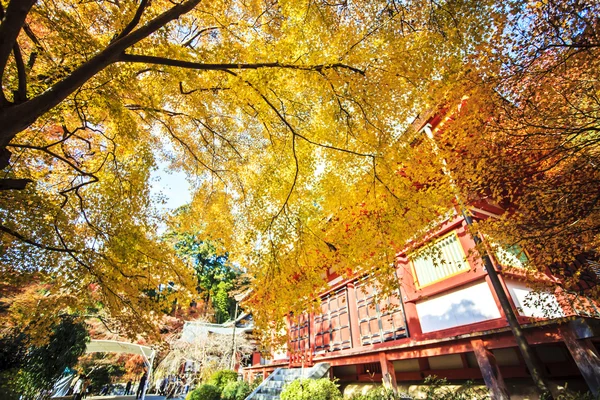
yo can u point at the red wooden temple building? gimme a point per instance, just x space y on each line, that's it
445 319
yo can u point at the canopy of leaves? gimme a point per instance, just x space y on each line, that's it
528 138
291 119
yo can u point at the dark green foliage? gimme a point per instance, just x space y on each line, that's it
204 392
216 277
236 391
29 369
13 350
220 379
103 375
567 394
311 389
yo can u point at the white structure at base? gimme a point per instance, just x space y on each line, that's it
112 346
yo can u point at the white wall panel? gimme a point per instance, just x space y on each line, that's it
534 304
460 306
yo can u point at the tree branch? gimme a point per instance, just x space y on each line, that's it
14 184
21 93
20 116
225 67
31 242
134 21
13 21
296 162
197 34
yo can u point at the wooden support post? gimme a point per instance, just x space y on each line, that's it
490 371
353 316
586 357
311 340
388 373
424 364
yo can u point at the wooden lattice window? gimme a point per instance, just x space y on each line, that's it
332 326
380 319
442 259
299 333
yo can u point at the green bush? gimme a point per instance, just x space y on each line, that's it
567 394
380 393
236 391
221 378
256 383
438 390
311 389
204 392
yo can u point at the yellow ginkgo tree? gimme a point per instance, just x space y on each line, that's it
292 119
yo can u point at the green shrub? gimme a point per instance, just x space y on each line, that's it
204 392
256 383
311 389
380 393
221 378
438 390
567 394
236 391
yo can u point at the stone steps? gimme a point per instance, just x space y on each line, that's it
271 388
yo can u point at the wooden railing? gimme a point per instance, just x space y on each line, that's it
301 358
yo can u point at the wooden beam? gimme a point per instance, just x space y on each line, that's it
388 373
490 371
586 357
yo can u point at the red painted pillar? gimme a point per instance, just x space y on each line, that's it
311 332
412 320
388 373
256 358
353 316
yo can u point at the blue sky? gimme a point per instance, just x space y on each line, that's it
172 185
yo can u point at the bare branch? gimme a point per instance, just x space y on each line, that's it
294 134
213 89
21 93
226 67
134 21
13 21
22 238
197 34
14 184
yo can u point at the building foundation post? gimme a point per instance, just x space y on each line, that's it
388 373
586 357
490 371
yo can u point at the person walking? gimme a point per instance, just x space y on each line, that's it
78 388
140 390
163 385
128 388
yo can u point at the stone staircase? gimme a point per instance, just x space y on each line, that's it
271 388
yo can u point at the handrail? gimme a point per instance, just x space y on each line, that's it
269 378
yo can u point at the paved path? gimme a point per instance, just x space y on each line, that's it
148 397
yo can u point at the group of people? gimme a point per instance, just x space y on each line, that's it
173 385
79 387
